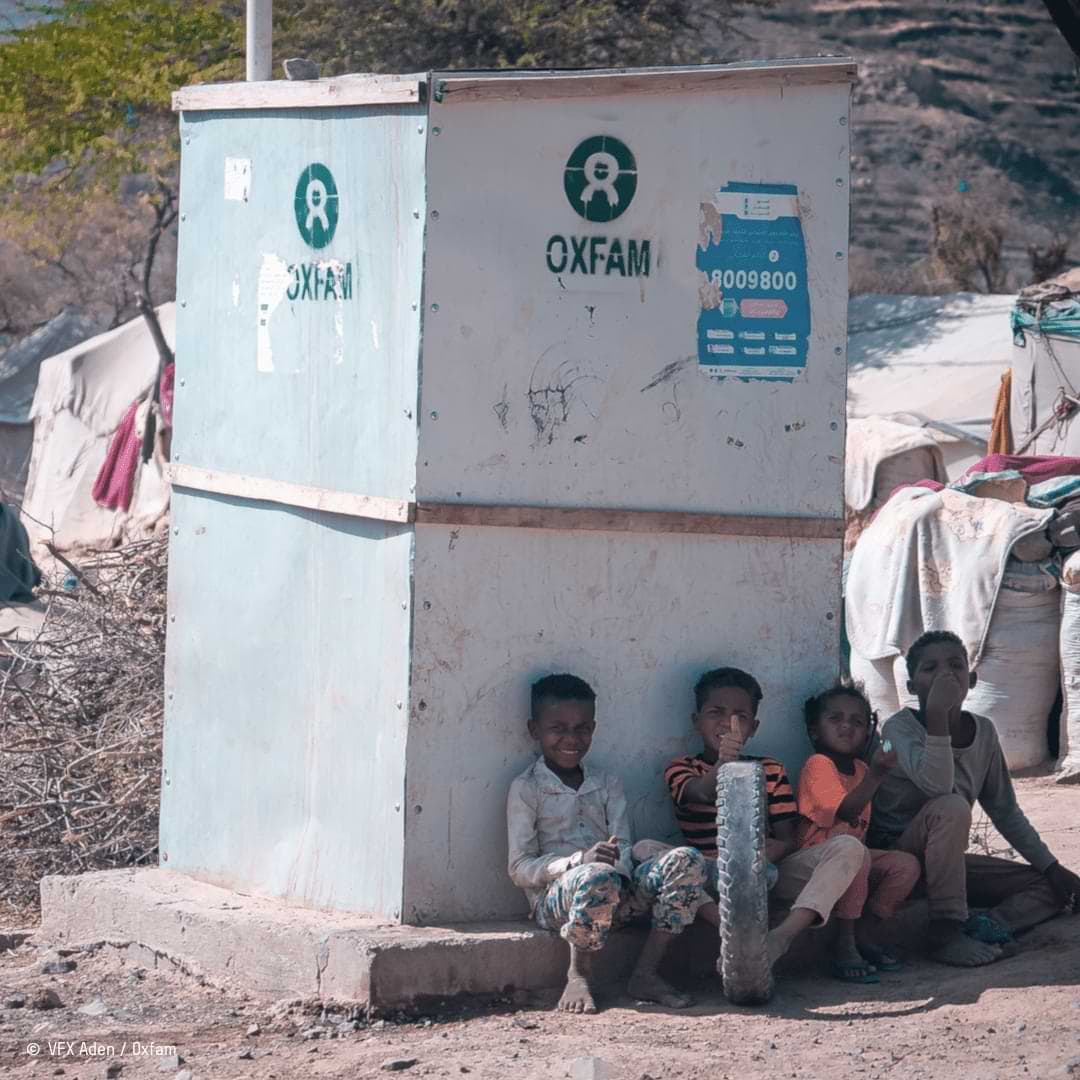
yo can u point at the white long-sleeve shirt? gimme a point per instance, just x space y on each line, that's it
928 766
551 826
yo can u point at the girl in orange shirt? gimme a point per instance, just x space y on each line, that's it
835 789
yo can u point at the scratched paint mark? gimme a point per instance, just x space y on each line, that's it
737 443
551 396
580 438
796 425
375 334
455 535
591 309
672 410
236 292
501 408
668 372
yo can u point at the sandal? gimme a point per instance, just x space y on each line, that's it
882 960
854 973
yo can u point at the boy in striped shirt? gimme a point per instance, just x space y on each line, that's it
725 717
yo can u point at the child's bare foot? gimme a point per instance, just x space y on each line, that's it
577 997
958 950
650 987
777 943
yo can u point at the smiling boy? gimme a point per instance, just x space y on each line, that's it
947 759
569 841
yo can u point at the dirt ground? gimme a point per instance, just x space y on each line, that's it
1017 1019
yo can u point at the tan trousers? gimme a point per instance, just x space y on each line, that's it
816 877
1017 894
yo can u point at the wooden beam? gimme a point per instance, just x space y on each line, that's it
446 87
643 521
260 489
306 94
567 519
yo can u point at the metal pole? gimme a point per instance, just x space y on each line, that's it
260 15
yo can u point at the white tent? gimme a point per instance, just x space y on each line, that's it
931 361
82 395
19 365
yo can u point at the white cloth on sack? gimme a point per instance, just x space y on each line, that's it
874 440
931 560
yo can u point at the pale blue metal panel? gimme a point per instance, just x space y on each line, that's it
299 362
287 672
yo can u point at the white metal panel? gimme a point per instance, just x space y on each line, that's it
641 618
287 668
582 389
297 355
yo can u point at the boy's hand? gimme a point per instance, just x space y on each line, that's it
946 693
731 744
884 761
1066 884
604 852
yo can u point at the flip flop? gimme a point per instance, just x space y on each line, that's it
883 961
854 973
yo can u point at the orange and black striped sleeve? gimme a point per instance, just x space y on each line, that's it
778 793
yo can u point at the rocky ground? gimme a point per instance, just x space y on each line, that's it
981 96
1018 1019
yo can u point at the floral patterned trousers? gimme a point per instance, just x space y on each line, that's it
586 902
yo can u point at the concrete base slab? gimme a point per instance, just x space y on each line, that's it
272 950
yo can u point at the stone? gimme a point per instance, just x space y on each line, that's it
398 1064
590 1068
347 1027
170 1063
184 1074
1071 1067
245 1054
254 1030
298 69
14 1001
46 999
97 1007
113 1069
58 967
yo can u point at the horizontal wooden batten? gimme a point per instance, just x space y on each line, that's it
260 489
310 94
569 519
449 87
639 521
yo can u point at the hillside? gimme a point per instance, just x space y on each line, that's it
981 93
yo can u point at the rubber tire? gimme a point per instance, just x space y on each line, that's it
743 887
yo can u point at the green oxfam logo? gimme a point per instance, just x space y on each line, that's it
601 178
316 205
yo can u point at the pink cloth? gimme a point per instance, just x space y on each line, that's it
1033 469
116 479
168 382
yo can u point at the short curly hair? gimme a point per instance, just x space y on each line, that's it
922 643
722 677
814 706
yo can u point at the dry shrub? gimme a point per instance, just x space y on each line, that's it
80 724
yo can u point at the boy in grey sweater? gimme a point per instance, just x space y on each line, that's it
946 759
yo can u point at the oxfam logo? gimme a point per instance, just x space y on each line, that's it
601 178
316 205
